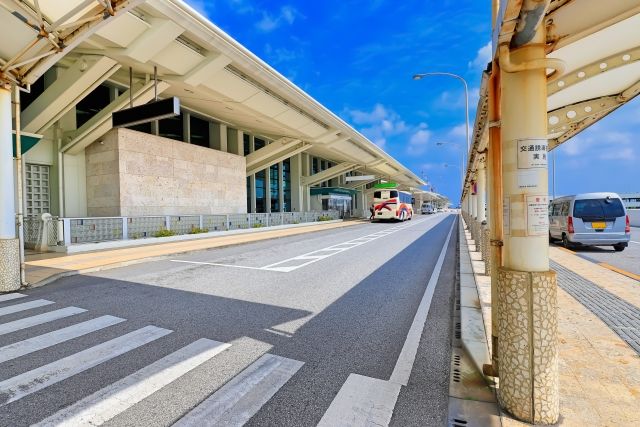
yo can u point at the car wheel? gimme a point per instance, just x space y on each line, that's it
565 242
619 248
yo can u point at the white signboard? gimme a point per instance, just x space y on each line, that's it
532 153
537 215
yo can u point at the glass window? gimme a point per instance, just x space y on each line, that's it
393 194
171 128
286 185
199 130
314 166
274 186
259 143
92 104
142 127
36 90
593 209
248 194
246 139
377 195
261 192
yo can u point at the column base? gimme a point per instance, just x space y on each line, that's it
528 350
9 265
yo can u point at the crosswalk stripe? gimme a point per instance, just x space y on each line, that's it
27 322
24 306
21 348
110 401
239 400
32 381
9 297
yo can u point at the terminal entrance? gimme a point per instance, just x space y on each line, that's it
333 198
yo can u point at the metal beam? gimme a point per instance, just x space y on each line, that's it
354 185
71 87
101 123
328 174
273 153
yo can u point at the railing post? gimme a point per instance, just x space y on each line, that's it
201 226
268 219
125 228
167 222
66 232
226 220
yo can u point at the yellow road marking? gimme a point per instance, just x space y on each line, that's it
619 270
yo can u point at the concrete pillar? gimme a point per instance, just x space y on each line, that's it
481 196
527 302
9 244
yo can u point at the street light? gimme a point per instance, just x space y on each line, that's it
466 107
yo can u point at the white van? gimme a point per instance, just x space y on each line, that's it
426 209
590 219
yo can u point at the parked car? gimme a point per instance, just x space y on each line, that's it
426 209
590 219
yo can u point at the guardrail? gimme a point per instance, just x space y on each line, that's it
47 230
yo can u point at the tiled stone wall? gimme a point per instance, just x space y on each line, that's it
131 173
9 265
528 355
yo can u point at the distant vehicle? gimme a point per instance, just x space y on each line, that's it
426 209
391 203
590 219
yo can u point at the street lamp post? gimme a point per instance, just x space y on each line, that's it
466 108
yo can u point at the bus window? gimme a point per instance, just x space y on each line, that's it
377 195
393 194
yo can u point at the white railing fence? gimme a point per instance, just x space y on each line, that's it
47 230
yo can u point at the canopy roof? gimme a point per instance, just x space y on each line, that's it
598 43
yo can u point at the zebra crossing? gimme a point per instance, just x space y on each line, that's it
233 404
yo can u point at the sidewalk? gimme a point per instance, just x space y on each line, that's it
43 268
599 340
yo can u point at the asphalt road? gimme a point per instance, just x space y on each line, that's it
628 260
288 321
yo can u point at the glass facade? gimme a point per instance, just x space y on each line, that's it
286 185
91 104
248 194
171 128
274 187
261 192
199 131
246 143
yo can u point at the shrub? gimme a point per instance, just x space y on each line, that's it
197 230
164 233
324 218
257 225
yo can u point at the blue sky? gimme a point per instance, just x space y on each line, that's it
357 58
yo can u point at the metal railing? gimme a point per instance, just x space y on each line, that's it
69 231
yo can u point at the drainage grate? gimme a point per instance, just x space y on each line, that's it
456 375
622 317
457 422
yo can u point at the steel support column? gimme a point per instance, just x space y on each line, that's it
527 299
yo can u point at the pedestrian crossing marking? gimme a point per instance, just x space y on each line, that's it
242 397
22 385
110 401
21 348
27 322
9 297
15 308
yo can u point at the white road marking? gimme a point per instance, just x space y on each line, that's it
21 348
22 385
8 297
239 400
24 306
215 264
364 401
39 319
116 398
318 254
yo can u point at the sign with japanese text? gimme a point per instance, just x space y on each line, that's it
532 153
537 215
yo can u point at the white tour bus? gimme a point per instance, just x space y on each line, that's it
391 203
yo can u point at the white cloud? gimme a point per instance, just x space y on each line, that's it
482 57
379 123
418 143
269 22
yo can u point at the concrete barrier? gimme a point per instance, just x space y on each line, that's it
634 217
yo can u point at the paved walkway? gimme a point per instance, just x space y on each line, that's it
598 322
44 268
